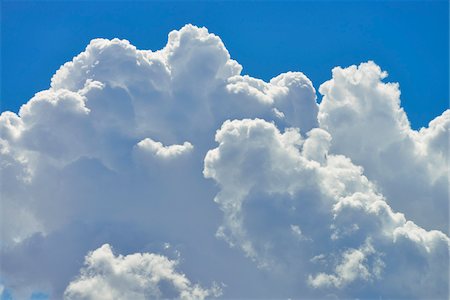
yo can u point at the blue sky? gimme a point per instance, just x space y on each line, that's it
409 39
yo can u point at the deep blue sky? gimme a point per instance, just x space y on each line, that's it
408 39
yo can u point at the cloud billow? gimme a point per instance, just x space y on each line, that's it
130 147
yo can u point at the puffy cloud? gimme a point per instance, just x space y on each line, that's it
350 269
134 276
270 180
165 152
113 153
280 92
364 117
119 138
113 98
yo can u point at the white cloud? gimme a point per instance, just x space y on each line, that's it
351 268
80 154
113 97
165 152
365 119
113 153
134 276
269 181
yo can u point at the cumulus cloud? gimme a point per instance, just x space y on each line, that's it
134 276
322 198
165 152
364 117
269 180
113 97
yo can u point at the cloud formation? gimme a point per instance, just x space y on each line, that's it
277 187
338 198
135 276
163 152
364 116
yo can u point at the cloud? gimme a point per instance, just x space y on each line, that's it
321 197
164 152
134 276
364 117
271 180
351 268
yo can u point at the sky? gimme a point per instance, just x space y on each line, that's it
230 150
409 39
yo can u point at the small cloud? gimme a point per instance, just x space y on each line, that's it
157 149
